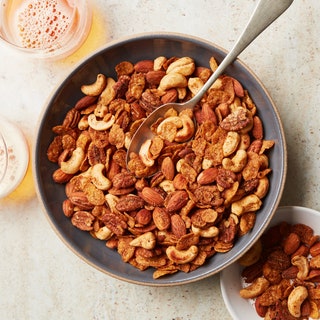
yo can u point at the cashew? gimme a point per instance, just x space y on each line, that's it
100 111
182 256
210 232
108 94
195 84
172 80
303 266
187 130
184 66
245 141
145 154
104 233
168 128
112 201
182 92
167 186
158 63
72 166
146 241
295 300
173 119
247 204
98 178
95 88
100 125
83 123
251 256
231 143
262 187
257 287
237 163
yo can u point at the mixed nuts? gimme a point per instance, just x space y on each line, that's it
209 176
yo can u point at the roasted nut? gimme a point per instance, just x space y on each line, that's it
247 204
291 243
190 192
72 165
182 256
146 241
100 125
252 256
295 300
95 88
254 290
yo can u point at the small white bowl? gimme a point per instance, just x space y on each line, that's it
14 157
230 278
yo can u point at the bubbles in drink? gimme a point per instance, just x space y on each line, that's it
40 24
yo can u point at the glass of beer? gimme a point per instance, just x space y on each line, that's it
45 28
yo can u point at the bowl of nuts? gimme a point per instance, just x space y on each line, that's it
199 193
279 276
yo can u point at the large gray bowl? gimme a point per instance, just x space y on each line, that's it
149 46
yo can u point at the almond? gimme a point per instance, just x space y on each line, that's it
315 249
178 227
167 168
154 77
177 200
291 243
152 196
207 176
170 96
161 218
144 66
290 273
61 177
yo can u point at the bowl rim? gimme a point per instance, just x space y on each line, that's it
75 69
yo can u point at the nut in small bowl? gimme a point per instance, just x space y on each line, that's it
178 207
280 273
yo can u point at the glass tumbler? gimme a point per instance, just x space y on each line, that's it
14 157
45 28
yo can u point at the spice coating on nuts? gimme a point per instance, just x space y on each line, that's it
190 192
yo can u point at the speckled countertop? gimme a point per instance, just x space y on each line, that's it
40 278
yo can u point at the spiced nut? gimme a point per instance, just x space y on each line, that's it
95 88
72 165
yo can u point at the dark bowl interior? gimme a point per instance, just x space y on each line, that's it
149 46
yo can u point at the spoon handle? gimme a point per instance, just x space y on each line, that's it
264 14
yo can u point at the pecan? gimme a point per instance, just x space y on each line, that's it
130 202
208 195
115 222
123 180
121 86
136 87
150 101
71 119
83 220
237 120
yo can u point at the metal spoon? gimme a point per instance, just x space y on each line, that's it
266 12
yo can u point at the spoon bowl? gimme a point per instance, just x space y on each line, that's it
265 13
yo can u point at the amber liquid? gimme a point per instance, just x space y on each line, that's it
96 38
51 28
